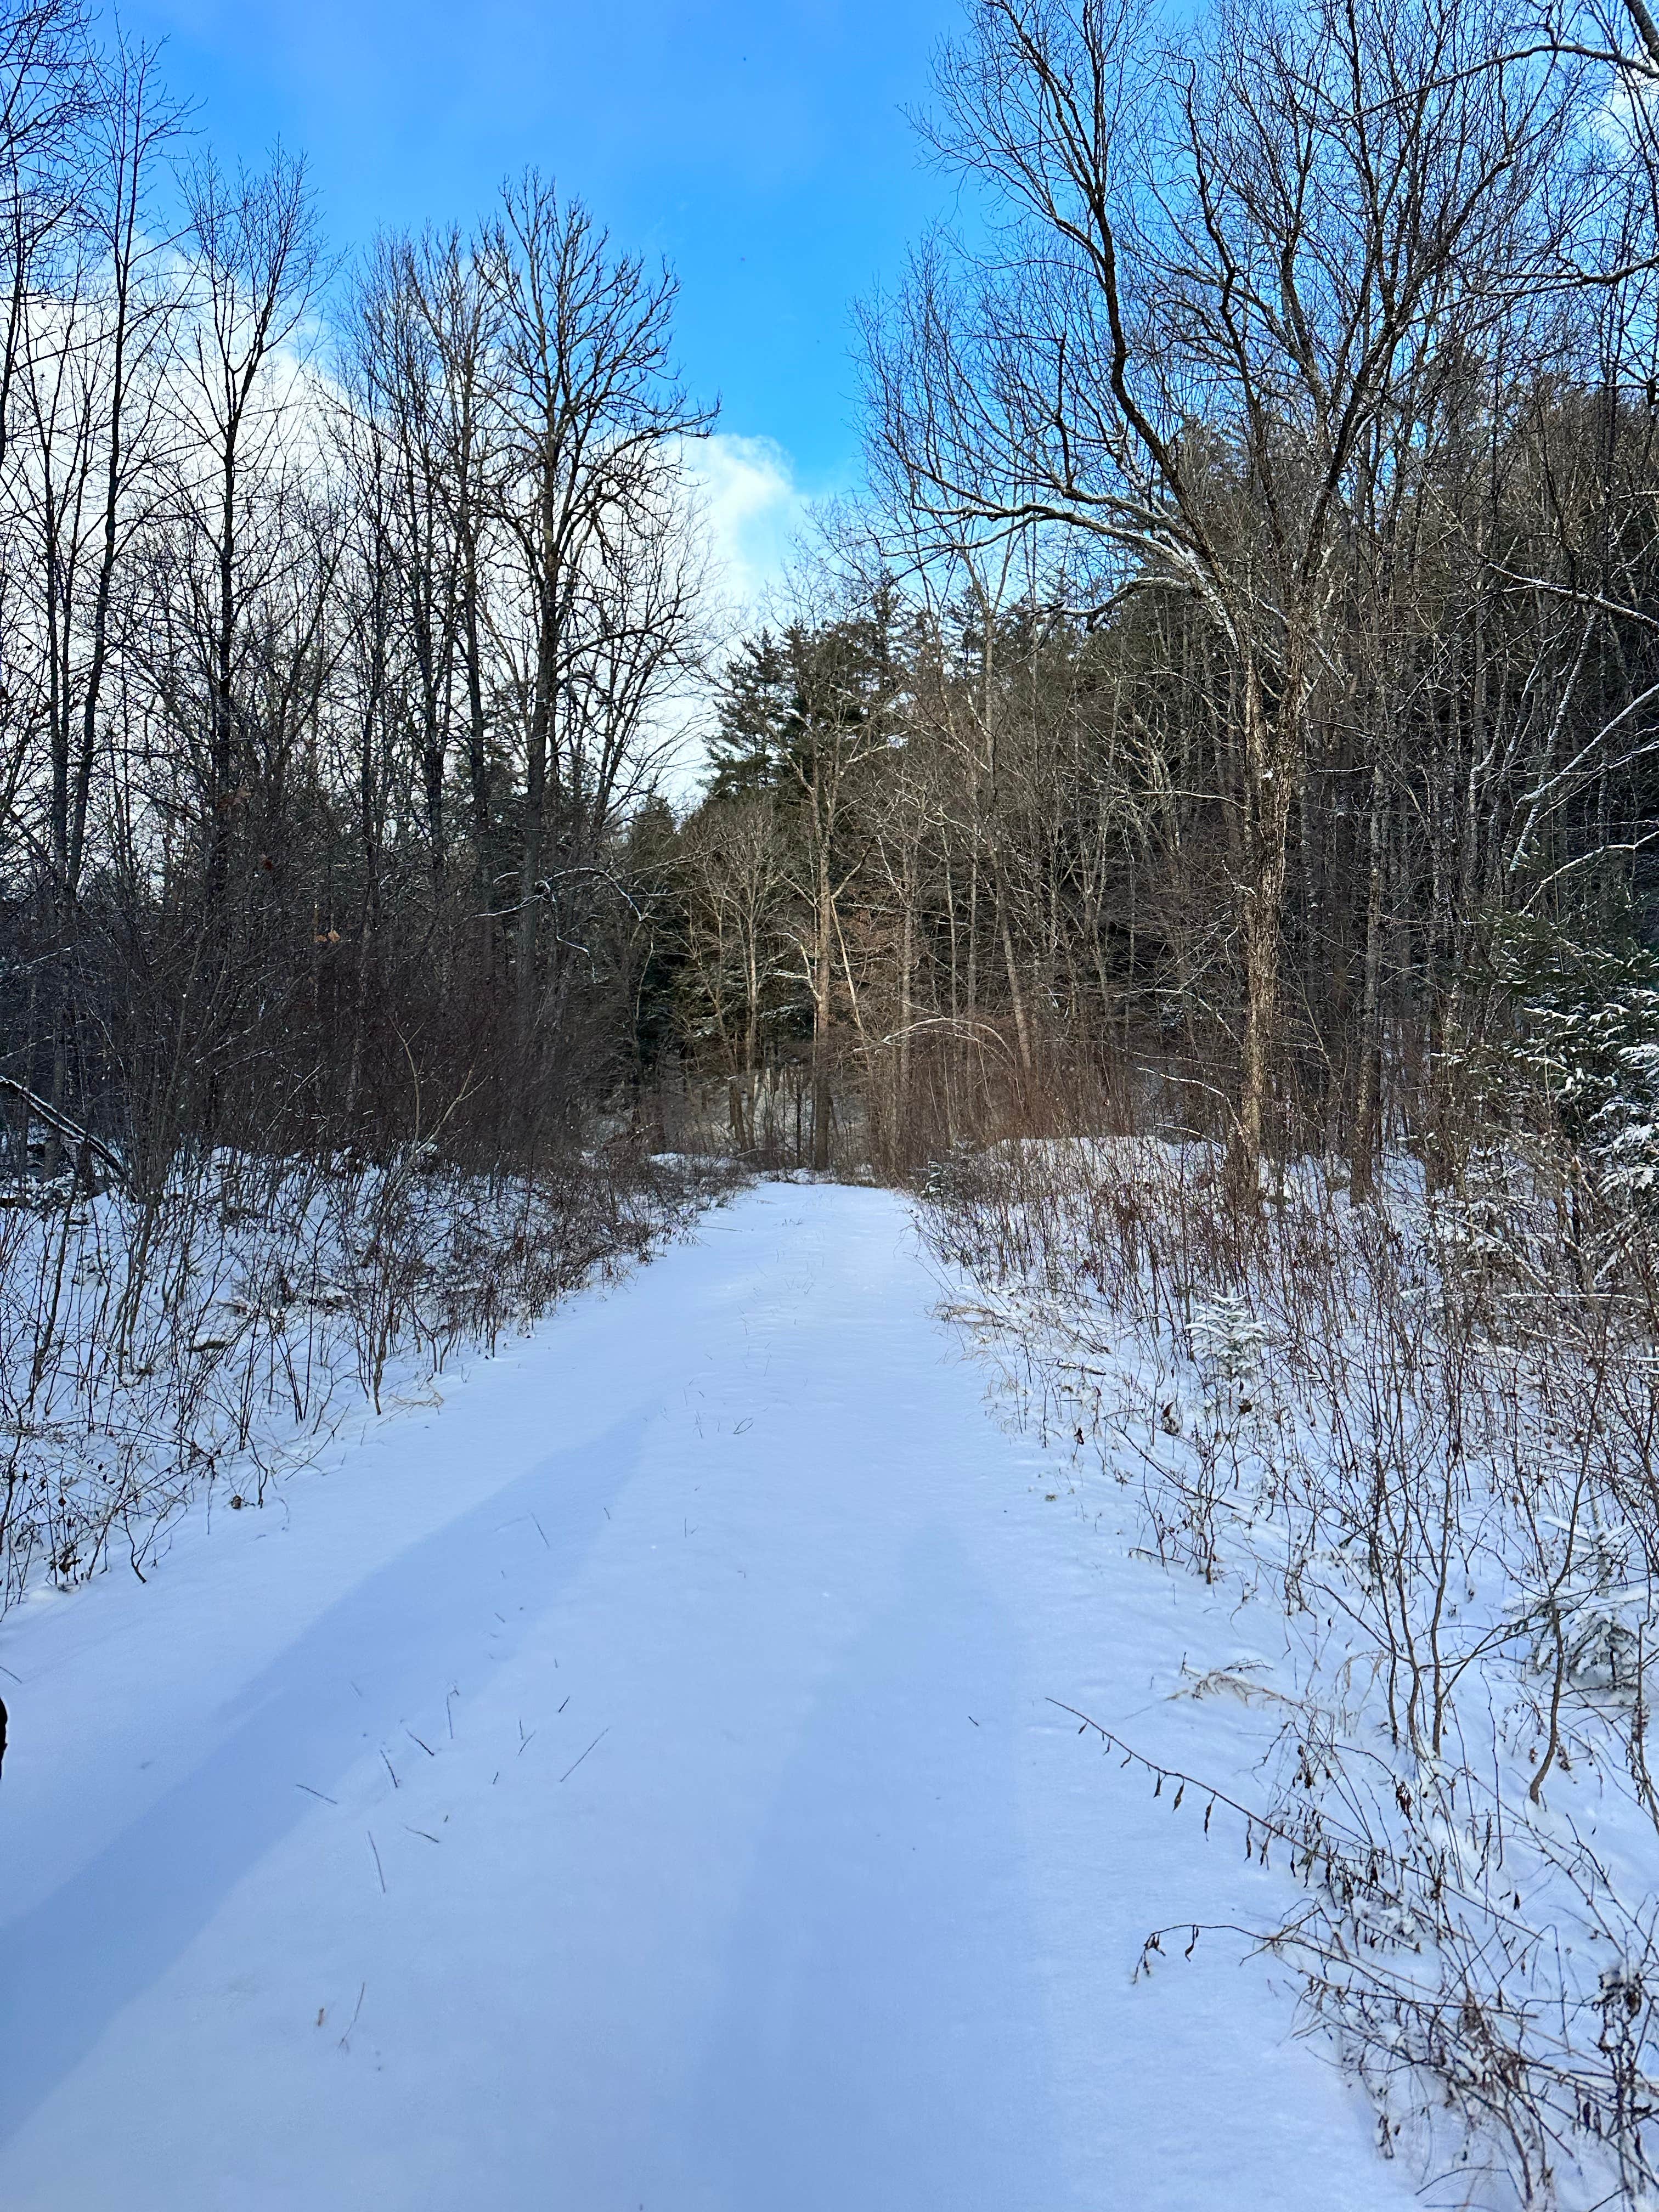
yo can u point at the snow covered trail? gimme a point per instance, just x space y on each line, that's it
632 1785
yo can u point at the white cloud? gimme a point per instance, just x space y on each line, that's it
754 510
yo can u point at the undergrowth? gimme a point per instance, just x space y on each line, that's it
1422 1431
206 1337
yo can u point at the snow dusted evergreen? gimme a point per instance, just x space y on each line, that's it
1588 1039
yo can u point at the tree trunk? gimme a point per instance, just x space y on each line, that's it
824 975
1367 1109
1269 788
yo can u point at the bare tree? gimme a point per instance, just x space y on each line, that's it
1259 232
593 421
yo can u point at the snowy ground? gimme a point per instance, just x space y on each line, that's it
632 1788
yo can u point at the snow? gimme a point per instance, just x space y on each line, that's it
633 1783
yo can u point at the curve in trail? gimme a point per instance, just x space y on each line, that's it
634 1785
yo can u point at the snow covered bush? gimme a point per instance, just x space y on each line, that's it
1227 1341
1586 1037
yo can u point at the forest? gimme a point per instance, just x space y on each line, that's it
1228 697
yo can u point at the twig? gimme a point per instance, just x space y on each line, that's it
574 1764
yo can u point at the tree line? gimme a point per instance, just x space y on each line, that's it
1232 697
344 613
1244 686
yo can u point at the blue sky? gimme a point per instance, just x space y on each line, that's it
760 147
